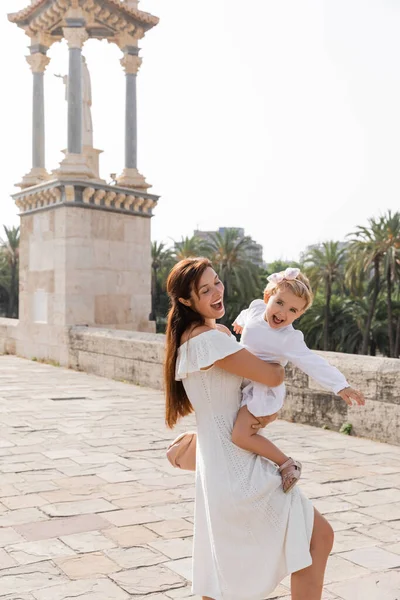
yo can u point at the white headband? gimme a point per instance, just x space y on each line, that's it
289 275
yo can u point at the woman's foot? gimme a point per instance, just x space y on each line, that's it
290 472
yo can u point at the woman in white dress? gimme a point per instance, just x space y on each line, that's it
248 534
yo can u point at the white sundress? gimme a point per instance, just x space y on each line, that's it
248 534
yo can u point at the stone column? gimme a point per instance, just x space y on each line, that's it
75 163
75 37
38 62
130 176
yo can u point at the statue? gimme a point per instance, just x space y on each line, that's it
87 126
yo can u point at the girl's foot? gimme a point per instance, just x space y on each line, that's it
290 472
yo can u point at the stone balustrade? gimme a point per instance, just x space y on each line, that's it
137 358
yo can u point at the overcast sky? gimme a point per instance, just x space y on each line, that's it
279 117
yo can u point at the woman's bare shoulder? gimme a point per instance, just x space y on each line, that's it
224 329
194 332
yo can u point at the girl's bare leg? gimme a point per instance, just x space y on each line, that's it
307 584
247 438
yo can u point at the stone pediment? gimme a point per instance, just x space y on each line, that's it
105 19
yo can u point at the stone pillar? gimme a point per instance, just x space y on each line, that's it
130 176
75 38
75 163
38 62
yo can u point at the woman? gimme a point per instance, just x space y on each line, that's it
248 535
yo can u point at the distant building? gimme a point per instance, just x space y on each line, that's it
256 252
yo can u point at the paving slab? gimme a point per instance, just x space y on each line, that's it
90 508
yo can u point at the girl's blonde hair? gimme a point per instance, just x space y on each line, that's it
300 287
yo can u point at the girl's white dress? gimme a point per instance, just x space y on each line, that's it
248 534
281 346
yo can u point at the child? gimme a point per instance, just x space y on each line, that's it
269 334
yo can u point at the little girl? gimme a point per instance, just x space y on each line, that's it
267 331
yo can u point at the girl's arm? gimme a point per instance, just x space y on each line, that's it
245 364
318 368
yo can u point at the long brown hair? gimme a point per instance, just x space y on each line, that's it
182 280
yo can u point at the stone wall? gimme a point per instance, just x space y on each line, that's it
122 355
137 357
8 329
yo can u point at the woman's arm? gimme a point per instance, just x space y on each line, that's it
245 364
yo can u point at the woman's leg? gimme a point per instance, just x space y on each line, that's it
307 584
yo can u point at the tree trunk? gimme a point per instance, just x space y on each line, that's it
327 315
390 313
153 316
372 305
397 343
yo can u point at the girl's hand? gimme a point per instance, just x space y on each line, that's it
351 396
264 421
237 328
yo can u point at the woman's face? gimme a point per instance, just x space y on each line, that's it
209 299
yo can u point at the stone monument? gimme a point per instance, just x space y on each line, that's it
85 246
91 154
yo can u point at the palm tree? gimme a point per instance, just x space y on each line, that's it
9 261
390 225
375 249
324 265
188 247
231 256
161 260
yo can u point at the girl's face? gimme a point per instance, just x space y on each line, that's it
283 308
209 299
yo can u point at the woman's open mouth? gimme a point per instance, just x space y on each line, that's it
217 305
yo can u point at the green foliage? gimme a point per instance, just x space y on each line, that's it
356 285
346 428
9 265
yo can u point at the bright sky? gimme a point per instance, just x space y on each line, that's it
279 117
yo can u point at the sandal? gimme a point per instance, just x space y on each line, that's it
290 478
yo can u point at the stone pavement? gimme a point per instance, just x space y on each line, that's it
91 510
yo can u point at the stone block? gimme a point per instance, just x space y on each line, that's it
77 222
32 552
147 580
112 309
80 310
92 541
131 535
29 578
59 527
129 558
87 565
378 420
370 587
373 558
84 589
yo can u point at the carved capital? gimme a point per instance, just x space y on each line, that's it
38 62
75 36
131 64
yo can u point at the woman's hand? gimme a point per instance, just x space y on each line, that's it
264 421
351 396
237 328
